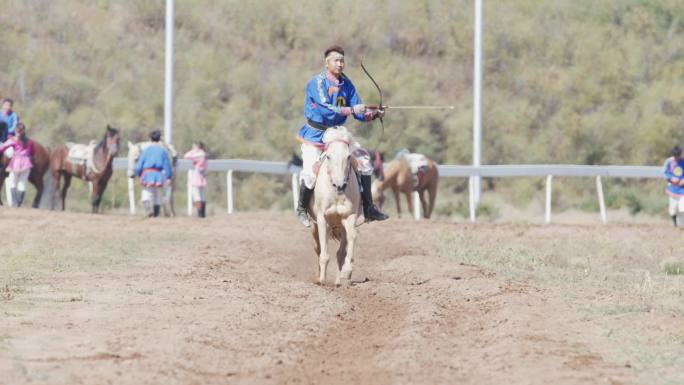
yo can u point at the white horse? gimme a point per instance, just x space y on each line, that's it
134 152
336 202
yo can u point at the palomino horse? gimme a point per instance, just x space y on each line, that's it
335 205
134 152
41 163
399 178
98 171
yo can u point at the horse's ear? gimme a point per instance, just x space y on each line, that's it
108 126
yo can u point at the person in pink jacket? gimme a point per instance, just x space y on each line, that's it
19 166
198 180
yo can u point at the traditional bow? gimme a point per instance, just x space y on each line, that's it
380 106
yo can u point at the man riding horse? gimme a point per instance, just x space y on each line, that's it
330 99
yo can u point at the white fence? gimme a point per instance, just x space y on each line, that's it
549 171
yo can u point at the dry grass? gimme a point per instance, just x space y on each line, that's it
624 279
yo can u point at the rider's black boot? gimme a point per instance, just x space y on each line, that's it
203 210
156 208
674 220
369 210
304 198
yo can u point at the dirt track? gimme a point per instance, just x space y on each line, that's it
112 299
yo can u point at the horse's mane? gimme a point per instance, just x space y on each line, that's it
340 133
103 142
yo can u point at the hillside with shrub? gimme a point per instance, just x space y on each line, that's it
577 82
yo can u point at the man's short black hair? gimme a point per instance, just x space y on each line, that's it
155 135
334 48
676 151
8 100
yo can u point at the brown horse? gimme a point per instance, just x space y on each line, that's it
41 163
398 177
98 172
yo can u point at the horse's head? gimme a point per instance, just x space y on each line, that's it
111 140
133 154
338 157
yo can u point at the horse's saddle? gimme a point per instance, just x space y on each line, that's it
82 154
417 163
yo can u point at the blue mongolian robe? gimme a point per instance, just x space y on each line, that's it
12 119
325 98
153 166
673 173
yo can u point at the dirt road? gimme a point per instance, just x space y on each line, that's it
231 300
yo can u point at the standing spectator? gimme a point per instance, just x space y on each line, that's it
20 164
9 116
674 170
154 169
198 181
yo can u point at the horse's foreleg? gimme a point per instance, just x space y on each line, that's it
423 204
350 230
409 201
63 193
396 199
96 198
432 192
38 184
323 256
317 242
55 190
341 254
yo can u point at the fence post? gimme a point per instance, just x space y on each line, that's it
8 193
471 198
602 202
229 189
416 205
189 193
295 189
131 196
549 179
113 195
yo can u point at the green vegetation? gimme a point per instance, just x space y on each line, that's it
579 82
674 268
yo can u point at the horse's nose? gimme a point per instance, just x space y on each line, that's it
340 189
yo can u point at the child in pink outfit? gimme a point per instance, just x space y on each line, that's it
20 164
198 180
